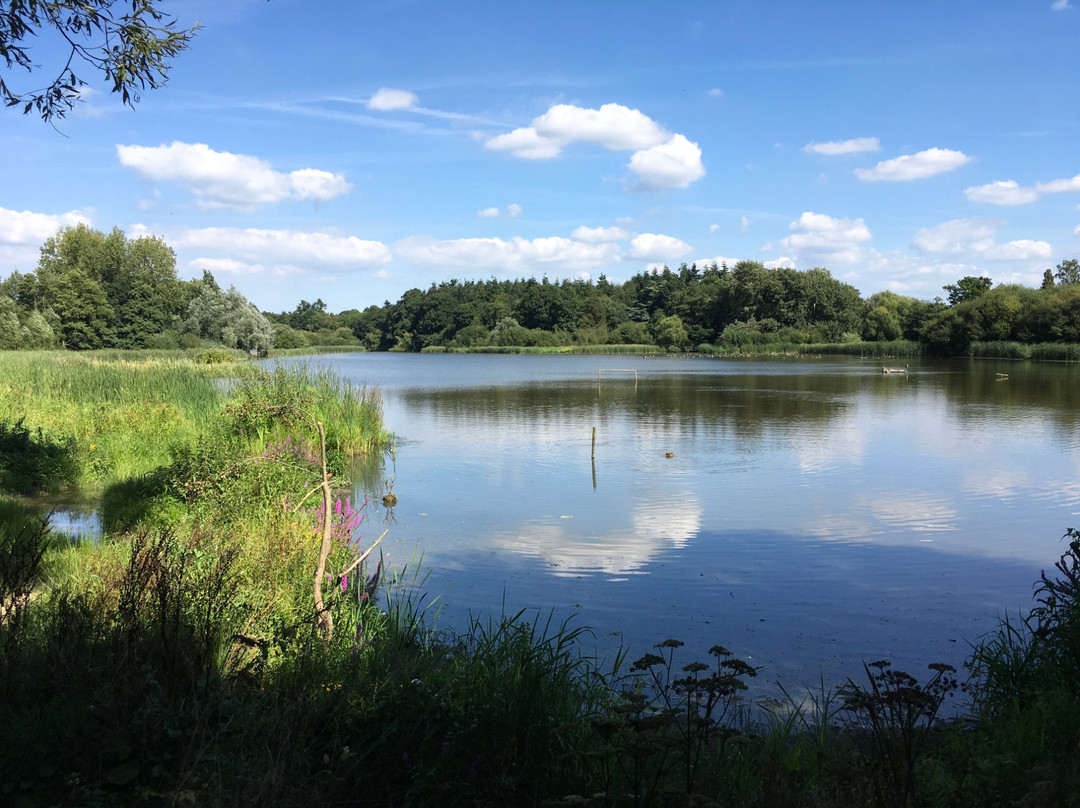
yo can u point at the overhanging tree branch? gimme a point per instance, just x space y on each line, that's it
131 49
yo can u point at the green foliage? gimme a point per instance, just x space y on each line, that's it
969 287
227 318
131 50
31 462
669 333
1068 271
898 715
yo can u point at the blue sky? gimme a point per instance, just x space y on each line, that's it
351 151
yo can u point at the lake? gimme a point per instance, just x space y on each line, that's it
806 513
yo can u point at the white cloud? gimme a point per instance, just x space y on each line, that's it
719 260
1009 192
674 164
513 210
290 246
1020 250
1002 192
713 228
322 186
783 262
597 235
838 147
914 166
657 247
388 99
1076 230
976 237
1070 185
956 237
526 143
744 224
716 92
661 159
1060 5
836 240
227 180
27 227
229 266
513 255
613 126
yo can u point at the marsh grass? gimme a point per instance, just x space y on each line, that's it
177 661
111 410
1056 352
885 349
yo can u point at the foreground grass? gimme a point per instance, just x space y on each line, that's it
225 644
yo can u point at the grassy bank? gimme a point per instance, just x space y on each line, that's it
228 643
560 349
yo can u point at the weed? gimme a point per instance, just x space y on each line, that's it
897 715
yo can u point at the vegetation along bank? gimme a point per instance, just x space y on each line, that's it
93 290
228 642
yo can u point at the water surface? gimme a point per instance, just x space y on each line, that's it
813 512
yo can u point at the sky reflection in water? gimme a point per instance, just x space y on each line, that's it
815 512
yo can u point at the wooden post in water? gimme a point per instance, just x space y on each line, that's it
594 443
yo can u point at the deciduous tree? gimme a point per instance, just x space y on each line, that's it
129 43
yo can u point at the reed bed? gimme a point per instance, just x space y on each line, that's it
885 349
119 412
1040 351
1056 351
124 413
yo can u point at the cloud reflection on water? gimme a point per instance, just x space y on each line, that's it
571 548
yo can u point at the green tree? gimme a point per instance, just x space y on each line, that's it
1048 279
670 333
1068 271
229 319
130 43
144 291
882 324
967 288
10 328
138 278
36 331
309 316
81 308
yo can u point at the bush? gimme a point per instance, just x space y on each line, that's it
31 462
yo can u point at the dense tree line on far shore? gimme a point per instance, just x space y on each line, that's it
97 290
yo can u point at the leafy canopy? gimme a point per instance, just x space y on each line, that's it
131 48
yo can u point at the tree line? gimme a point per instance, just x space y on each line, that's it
97 290
690 308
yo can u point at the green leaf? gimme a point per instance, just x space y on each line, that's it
123 774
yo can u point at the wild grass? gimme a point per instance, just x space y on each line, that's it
181 661
119 415
557 349
999 350
1041 351
1056 352
314 350
118 412
885 349
628 348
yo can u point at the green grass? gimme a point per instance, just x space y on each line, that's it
178 661
1056 352
318 349
119 412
